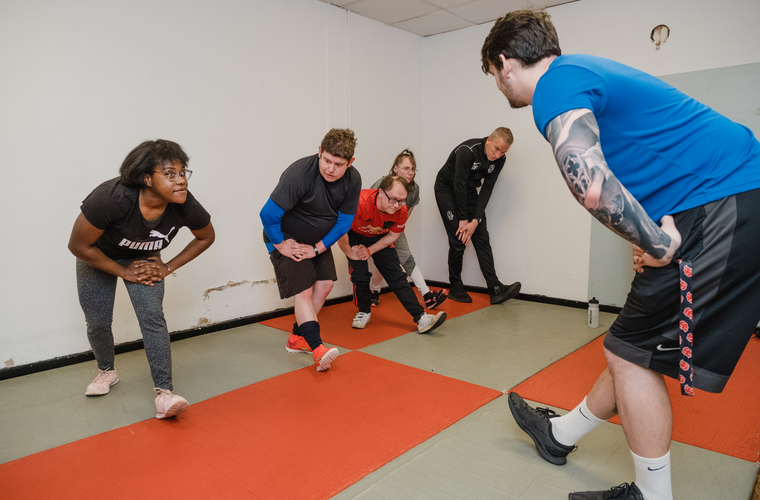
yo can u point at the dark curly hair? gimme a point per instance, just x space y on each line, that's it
147 156
525 35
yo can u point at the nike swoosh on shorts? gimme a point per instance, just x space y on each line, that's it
660 348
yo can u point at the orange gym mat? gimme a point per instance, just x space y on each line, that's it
388 321
728 422
299 435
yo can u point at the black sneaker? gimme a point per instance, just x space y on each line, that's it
434 299
500 293
535 422
623 492
457 293
374 300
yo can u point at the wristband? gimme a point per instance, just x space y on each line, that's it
316 250
168 267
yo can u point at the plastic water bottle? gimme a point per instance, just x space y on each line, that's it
593 313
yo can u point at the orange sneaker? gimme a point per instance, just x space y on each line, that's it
297 344
324 357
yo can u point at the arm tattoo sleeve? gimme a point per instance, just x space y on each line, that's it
574 136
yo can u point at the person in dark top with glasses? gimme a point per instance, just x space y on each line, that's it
379 221
462 190
124 225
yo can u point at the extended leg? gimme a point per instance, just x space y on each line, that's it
148 304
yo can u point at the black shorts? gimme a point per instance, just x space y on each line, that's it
722 240
295 277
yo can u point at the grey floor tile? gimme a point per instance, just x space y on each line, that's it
496 347
486 456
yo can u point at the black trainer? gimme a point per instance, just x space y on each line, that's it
434 299
535 423
374 300
457 293
500 293
623 492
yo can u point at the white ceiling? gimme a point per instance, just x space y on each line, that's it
431 17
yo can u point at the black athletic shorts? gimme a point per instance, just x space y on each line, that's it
295 277
722 240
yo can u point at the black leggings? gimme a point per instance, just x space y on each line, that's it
386 261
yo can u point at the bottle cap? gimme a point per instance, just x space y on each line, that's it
593 301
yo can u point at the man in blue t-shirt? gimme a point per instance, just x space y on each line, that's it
311 207
634 150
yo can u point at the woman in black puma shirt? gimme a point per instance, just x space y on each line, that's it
124 224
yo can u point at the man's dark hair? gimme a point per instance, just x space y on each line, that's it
389 180
525 35
339 142
146 157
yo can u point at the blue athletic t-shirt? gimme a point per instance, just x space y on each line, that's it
669 150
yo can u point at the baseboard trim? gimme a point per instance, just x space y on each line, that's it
71 359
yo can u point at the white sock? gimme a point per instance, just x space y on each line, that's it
653 477
569 428
376 283
419 280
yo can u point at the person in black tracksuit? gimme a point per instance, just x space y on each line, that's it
462 201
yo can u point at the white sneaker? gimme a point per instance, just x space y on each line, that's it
168 404
361 319
428 322
102 383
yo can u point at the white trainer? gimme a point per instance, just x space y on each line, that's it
102 383
428 322
169 405
361 319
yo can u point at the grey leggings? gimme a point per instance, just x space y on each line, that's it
97 290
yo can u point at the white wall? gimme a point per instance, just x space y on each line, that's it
247 87
532 220
540 236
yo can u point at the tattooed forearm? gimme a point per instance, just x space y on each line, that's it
574 136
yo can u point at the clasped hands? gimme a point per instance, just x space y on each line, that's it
146 271
295 250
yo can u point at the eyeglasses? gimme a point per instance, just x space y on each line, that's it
408 169
173 174
394 201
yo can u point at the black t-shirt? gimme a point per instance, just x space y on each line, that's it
114 208
311 203
465 169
